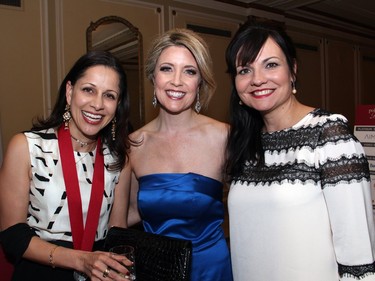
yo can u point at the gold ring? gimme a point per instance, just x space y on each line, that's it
106 272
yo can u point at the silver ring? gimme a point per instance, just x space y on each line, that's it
106 272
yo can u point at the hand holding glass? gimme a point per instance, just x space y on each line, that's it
128 252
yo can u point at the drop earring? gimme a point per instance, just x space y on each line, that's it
154 100
198 104
294 90
67 116
113 129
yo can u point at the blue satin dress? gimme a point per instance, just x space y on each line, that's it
188 206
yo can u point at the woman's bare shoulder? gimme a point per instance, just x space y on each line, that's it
215 125
17 153
139 136
18 143
136 136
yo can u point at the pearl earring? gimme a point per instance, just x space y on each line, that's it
294 90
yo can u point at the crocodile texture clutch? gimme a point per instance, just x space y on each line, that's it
157 257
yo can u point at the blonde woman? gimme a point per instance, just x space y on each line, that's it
178 163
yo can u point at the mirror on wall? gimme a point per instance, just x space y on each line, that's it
122 39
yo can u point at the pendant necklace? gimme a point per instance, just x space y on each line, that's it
82 143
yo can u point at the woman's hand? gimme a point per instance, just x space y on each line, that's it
106 266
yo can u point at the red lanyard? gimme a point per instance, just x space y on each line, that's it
83 237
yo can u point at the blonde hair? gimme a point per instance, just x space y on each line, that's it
197 47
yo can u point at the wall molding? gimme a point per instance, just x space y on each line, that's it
175 10
45 56
219 6
330 25
157 8
13 6
60 58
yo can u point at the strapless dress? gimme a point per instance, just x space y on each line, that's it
188 206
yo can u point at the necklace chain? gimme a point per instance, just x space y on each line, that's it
82 143
81 157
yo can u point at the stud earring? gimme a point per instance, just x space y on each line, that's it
240 102
198 104
154 100
113 129
294 90
67 116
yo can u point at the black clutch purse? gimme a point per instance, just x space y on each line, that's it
157 257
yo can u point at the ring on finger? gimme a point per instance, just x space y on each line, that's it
106 272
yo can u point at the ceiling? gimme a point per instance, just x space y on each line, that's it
358 13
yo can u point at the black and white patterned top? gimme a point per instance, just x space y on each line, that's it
307 213
48 208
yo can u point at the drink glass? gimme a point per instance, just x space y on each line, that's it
79 276
128 252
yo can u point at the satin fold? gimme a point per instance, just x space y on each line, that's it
188 206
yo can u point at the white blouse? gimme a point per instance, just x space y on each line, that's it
307 214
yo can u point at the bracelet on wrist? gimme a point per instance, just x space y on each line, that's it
51 262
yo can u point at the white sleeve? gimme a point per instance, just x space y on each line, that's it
347 190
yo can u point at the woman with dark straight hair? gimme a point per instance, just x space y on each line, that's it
300 199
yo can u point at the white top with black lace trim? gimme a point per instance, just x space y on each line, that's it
307 214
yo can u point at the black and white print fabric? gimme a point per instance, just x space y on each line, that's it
48 208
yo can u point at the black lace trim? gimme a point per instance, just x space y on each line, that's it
311 136
358 272
345 170
266 175
348 168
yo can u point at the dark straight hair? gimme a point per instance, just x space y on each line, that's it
244 142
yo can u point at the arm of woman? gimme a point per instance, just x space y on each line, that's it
15 176
346 186
120 206
93 264
133 214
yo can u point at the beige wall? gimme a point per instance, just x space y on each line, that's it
21 68
40 42
218 107
77 15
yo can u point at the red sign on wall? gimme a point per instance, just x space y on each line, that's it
365 115
364 130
